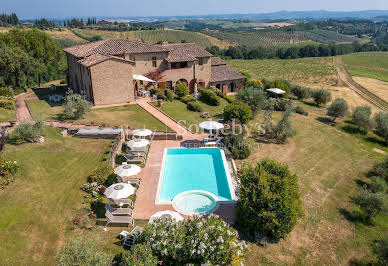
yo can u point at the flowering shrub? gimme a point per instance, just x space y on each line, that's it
93 188
197 241
8 170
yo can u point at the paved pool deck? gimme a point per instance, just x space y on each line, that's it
145 203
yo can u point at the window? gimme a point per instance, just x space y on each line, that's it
200 61
179 65
132 58
154 62
169 85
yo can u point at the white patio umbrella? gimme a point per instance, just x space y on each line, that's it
142 132
176 217
211 125
127 170
195 89
119 191
137 143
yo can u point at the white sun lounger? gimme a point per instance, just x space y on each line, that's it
118 219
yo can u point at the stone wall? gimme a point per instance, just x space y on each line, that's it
112 82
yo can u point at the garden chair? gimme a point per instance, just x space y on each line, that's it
133 159
118 219
121 202
135 153
135 231
131 238
118 211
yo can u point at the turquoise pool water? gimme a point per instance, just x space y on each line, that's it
194 169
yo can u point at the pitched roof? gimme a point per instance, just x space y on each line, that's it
183 52
216 61
223 73
98 58
114 47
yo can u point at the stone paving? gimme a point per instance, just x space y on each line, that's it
180 130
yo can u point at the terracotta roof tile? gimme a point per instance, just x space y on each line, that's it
221 73
216 61
183 52
98 58
113 47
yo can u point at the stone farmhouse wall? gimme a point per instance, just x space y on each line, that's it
112 82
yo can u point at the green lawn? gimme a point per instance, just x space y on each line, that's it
37 209
328 162
178 110
318 71
371 65
131 115
7 115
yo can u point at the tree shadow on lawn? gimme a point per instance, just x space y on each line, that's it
312 104
355 217
325 120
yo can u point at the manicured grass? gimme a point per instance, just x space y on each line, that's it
328 162
38 208
7 115
128 115
178 110
318 71
371 65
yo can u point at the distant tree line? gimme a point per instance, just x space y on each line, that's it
293 52
29 57
7 20
44 23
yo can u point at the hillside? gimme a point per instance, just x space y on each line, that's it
154 36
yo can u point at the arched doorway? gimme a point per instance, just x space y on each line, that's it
183 81
192 85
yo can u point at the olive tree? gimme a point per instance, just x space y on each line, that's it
80 251
75 106
370 203
362 117
321 96
381 120
338 108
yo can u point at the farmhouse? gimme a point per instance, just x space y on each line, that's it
104 71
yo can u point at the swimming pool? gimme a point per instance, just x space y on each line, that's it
194 170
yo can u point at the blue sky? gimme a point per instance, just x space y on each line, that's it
76 8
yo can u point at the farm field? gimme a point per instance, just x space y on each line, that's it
275 38
319 71
380 88
153 36
179 112
371 65
128 115
328 163
267 39
64 33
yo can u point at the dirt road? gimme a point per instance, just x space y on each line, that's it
346 79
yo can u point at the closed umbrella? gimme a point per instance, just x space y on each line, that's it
127 170
137 143
119 191
176 217
142 132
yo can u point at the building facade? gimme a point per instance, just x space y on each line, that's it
103 71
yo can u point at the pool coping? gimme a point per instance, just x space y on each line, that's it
226 168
